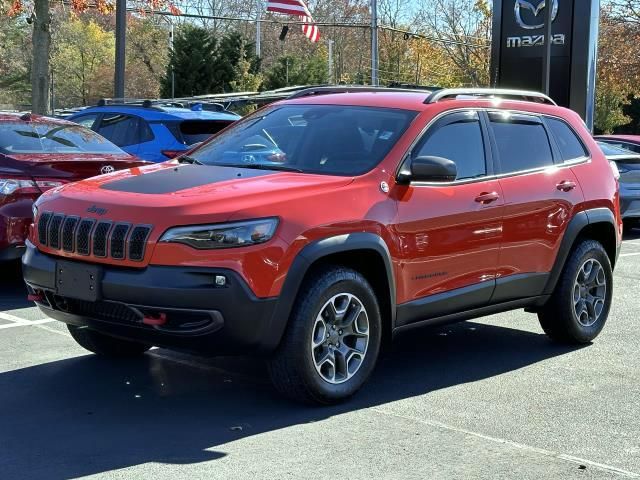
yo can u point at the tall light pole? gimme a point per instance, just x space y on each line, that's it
548 41
374 42
173 73
330 42
121 32
258 29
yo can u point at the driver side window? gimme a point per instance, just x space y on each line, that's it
457 137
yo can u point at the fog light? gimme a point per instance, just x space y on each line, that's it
221 280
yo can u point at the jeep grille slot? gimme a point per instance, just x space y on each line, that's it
82 236
43 224
100 239
118 238
137 242
88 236
68 231
54 231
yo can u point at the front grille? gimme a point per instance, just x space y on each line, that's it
84 236
43 224
137 241
68 232
118 238
54 231
100 239
108 311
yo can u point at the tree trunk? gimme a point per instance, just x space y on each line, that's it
40 70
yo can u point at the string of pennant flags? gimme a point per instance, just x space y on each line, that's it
299 9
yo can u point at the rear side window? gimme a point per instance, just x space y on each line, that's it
87 120
568 142
458 138
124 130
189 132
522 142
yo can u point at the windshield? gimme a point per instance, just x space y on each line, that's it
326 139
24 137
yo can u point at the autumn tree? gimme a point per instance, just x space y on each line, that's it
618 73
463 29
83 62
147 56
39 15
15 68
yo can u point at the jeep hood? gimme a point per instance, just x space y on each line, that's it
183 193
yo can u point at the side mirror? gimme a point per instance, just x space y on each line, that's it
428 169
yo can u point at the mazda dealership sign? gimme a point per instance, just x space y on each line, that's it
519 45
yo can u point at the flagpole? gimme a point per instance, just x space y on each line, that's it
258 32
374 43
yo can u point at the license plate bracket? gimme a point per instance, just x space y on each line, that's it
79 281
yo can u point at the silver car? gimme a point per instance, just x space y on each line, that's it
628 164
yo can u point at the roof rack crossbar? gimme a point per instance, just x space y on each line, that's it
350 89
488 93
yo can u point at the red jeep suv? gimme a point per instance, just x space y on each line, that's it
317 228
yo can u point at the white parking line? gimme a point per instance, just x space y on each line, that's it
630 254
20 322
26 324
540 451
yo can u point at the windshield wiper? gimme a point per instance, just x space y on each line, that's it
258 166
189 160
262 166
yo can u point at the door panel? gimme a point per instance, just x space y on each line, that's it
449 233
536 215
539 199
448 239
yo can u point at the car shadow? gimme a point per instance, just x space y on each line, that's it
13 292
87 415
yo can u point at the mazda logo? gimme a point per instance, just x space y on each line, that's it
522 5
107 169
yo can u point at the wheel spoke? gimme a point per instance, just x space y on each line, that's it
340 338
589 292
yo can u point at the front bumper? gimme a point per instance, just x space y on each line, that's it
200 316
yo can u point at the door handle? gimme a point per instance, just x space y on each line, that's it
487 197
566 186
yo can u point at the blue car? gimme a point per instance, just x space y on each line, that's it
151 131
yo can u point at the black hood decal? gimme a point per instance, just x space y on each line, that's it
181 177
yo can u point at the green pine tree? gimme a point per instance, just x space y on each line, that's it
193 62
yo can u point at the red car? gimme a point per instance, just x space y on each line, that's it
375 212
40 153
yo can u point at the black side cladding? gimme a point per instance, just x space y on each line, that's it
181 177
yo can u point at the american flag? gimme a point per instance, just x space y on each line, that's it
310 29
297 8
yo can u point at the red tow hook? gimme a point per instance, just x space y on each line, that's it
161 319
35 297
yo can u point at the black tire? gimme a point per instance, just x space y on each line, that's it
293 369
106 345
558 317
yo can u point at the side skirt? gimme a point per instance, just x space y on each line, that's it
527 303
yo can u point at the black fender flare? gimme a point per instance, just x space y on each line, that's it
315 251
576 225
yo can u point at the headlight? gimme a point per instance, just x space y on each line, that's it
223 235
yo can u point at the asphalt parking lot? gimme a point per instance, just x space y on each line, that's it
492 398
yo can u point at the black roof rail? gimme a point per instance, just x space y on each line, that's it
130 102
326 90
527 96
